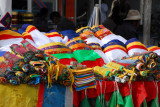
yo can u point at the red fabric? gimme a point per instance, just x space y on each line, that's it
151 90
107 96
107 87
158 83
123 64
90 64
53 35
124 89
40 95
67 61
138 93
28 37
156 48
137 46
91 93
78 96
7 36
31 29
114 49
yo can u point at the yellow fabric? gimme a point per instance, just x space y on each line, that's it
135 43
78 45
78 30
50 44
29 27
10 32
57 50
152 47
114 46
22 95
102 71
74 39
1 59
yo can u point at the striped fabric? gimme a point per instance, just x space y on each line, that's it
84 79
114 49
100 31
39 38
134 46
155 49
7 38
54 36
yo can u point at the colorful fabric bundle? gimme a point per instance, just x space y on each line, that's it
83 54
54 36
100 31
28 46
134 46
115 49
39 38
155 49
83 29
84 79
1 55
60 51
88 36
70 34
111 37
12 58
7 38
18 50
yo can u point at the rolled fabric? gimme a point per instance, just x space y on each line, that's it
151 64
69 33
9 37
83 29
135 46
96 47
84 54
114 50
39 38
140 66
100 31
60 51
111 37
104 72
28 46
155 49
54 36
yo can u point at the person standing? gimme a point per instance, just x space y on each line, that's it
104 11
61 22
119 11
128 29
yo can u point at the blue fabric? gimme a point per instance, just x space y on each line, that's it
70 33
24 27
131 40
2 28
2 53
113 42
52 31
54 96
21 31
149 46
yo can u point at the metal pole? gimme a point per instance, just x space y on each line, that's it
147 22
141 11
56 5
64 8
29 5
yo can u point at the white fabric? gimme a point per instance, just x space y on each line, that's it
5 42
101 53
5 6
93 40
110 37
56 39
39 38
135 50
65 40
115 54
32 43
157 51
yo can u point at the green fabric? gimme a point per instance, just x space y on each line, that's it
98 104
155 102
85 103
102 100
63 55
85 55
112 101
120 99
144 103
128 101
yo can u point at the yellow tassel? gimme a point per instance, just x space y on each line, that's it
117 105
